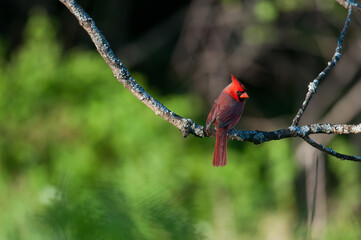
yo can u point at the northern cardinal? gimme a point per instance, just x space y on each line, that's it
225 113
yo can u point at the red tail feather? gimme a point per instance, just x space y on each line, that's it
220 151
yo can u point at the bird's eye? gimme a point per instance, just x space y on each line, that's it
239 93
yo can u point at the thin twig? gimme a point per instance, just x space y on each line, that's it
331 151
188 126
312 86
350 4
312 208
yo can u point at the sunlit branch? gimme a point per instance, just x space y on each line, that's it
188 126
121 73
350 4
259 137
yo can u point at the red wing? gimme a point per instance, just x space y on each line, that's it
212 115
229 115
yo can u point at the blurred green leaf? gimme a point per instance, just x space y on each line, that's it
265 11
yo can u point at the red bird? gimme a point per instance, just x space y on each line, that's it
225 113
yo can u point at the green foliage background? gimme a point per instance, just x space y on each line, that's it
82 158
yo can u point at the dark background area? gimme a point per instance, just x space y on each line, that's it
122 22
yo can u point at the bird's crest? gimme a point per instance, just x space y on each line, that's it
239 85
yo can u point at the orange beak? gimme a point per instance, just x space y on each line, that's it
244 95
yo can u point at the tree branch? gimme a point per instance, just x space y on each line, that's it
350 4
312 86
121 73
258 137
331 151
188 126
